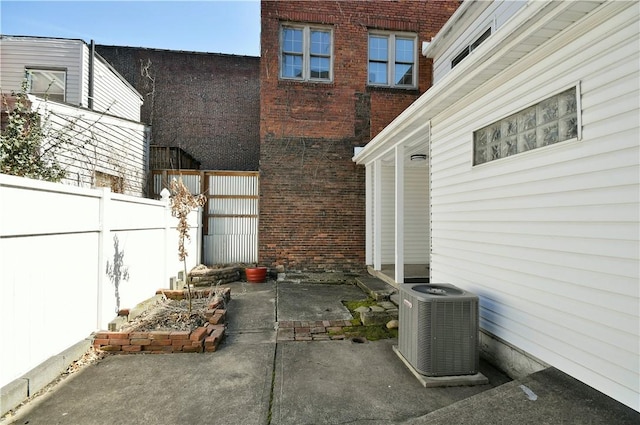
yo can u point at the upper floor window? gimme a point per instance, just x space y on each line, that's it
392 60
47 83
551 121
306 53
470 48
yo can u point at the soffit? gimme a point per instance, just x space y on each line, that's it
530 28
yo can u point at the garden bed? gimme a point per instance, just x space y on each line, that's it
169 327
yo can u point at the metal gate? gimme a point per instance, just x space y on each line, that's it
230 218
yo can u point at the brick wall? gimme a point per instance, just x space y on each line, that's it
205 103
311 193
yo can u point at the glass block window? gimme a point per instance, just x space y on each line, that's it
306 53
47 83
392 60
551 121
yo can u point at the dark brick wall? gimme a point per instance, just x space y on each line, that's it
312 196
205 103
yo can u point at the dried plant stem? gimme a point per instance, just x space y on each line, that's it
182 203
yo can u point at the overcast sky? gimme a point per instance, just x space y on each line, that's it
217 26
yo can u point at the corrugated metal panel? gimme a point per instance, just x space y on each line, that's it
549 238
232 218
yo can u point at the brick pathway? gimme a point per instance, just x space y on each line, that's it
321 330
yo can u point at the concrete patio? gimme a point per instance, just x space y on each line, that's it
255 379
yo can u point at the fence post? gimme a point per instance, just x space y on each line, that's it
165 195
104 230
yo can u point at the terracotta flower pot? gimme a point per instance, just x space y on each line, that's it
256 274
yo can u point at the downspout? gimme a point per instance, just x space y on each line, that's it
92 53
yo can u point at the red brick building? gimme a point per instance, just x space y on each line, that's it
333 74
207 104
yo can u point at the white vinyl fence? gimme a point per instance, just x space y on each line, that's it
70 257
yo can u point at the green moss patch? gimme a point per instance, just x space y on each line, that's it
372 333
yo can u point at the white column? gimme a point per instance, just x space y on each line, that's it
399 214
368 220
377 215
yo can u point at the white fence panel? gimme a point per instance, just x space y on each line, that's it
58 246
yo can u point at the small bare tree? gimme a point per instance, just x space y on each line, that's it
182 203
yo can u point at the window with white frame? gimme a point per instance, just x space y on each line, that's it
47 83
306 53
551 121
393 60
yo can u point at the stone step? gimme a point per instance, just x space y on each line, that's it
375 288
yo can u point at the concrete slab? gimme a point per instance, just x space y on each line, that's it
442 381
344 382
546 397
315 301
319 382
229 386
252 307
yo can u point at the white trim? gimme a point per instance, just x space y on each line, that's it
306 51
391 59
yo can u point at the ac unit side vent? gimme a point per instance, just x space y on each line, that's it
440 335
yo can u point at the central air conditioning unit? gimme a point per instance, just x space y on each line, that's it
438 333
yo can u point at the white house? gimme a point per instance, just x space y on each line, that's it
80 94
529 194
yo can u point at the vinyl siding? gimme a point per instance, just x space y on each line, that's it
18 53
416 215
103 143
549 238
111 93
494 16
114 95
388 215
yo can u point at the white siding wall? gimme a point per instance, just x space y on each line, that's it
112 94
416 215
101 143
388 215
549 238
492 17
16 53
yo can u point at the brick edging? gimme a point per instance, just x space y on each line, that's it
202 339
